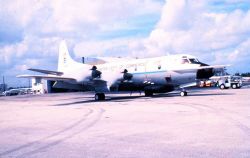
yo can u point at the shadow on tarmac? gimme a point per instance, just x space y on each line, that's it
131 98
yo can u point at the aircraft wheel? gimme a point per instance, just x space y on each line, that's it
148 93
183 93
99 96
102 96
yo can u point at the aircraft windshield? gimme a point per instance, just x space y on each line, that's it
184 61
194 61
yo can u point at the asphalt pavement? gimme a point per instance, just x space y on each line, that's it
207 123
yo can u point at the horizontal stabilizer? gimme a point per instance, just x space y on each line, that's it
47 72
46 77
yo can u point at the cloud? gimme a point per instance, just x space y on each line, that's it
31 30
121 47
57 17
10 51
192 28
217 31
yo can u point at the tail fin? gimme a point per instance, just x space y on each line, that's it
64 59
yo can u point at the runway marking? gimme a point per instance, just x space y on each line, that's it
39 142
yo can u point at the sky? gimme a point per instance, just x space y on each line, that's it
216 31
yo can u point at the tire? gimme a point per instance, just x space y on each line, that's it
222 86
148 93
183 93
99 96
234 86
238 85
102 96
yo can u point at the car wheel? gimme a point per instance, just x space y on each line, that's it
222 86
238 85
234 86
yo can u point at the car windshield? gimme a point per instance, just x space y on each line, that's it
234 78
194 61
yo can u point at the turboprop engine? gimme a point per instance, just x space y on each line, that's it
127 76
95 73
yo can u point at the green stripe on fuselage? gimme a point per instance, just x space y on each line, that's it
149 72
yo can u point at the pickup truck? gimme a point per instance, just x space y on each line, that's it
230 81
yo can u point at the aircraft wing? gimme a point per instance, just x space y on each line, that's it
47 71
98 85
213 67
192 84
53 78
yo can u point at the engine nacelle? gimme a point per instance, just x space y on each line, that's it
204 73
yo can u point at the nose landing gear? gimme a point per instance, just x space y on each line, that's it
183 93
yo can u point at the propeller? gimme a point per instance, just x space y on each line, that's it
127 76
95 73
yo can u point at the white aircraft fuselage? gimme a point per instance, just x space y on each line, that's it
153 70
153 75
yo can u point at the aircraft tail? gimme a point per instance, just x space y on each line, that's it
64 59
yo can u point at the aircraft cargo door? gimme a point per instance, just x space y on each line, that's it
155 73
150 69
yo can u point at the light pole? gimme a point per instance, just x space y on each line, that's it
3 84
29 82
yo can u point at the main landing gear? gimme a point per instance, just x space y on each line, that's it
99 96
148 93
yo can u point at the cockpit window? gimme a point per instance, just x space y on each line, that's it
194 61
184 61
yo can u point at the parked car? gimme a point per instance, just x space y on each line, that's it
2 94
20 91
11 92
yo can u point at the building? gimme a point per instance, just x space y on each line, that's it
3 87
39 86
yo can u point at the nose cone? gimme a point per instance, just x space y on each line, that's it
204 73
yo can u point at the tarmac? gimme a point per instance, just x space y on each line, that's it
207 123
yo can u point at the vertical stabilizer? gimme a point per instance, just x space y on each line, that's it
64 59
